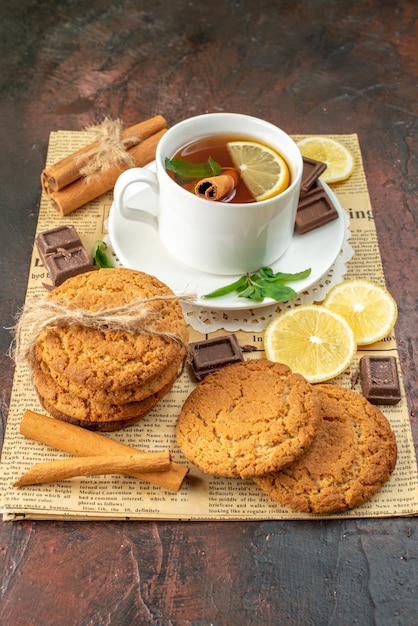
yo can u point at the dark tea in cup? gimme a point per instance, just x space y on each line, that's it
250 231
229 168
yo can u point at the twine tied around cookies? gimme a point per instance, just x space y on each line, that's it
133 317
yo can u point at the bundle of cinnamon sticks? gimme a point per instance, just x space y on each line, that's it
73 181
97 455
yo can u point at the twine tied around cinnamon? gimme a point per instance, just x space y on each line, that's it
133 317
111 148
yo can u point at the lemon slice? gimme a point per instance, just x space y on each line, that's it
339 160
369 309
264 171
312 340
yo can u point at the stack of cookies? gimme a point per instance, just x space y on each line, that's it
315 448
104 378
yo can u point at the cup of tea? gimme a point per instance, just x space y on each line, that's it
234 235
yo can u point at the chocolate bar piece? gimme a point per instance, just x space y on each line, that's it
312 170
314 209
379 379
62 253
212 354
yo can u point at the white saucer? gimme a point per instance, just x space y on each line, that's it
138 247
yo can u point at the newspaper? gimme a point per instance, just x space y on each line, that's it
201 497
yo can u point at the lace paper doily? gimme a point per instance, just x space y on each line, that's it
205 320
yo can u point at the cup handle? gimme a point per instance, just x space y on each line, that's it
127 178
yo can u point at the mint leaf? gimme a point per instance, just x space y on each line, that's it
183 168
214 166
279 292
285 277
99 255
223 291
262 284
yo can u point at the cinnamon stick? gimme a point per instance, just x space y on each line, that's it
66 171
78 193
217 187
51 471
82 442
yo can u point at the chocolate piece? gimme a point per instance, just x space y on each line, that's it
62 253
312 170
212 354
249 347
60 237
379 379
314 209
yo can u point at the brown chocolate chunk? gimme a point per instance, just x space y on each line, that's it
62 253
379 379
314 209
312 170
212 354
60 237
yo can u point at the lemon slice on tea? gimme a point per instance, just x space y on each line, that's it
312 340
370 309
264 171
339 160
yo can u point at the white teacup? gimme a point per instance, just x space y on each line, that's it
217 237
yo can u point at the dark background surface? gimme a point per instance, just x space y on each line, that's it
319 66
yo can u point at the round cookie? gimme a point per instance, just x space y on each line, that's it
103 427
124 395
113 359
352 456
109 425
90 410
248 419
